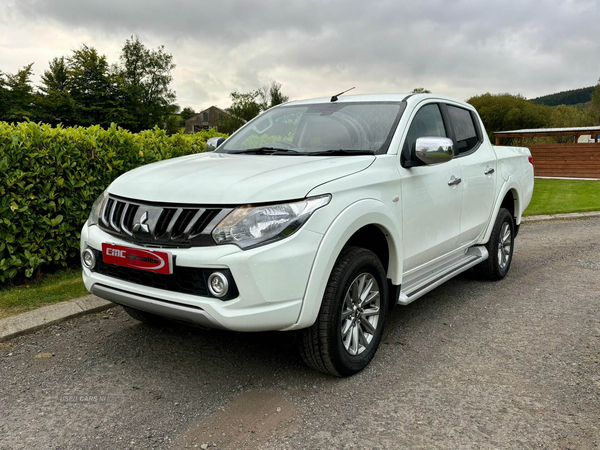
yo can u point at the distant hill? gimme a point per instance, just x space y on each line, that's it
572 97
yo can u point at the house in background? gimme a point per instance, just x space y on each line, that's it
209 118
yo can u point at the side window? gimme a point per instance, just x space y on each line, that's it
464 129
427 123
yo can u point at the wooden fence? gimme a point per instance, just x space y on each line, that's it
566 160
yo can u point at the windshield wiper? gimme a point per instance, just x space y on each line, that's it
340 152
265 151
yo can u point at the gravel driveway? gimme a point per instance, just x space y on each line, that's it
511 365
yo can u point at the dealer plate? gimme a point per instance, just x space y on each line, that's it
138 258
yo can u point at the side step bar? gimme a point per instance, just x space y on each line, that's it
415 289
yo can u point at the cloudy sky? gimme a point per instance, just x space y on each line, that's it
318 47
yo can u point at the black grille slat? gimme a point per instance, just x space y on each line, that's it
181 223
117 214
163 221
163 226
203 221
127 221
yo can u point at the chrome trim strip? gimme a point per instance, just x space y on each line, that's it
104 206
123 227
112 216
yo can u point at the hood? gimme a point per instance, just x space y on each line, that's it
221 178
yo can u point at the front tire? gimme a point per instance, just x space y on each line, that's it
349 327
500 247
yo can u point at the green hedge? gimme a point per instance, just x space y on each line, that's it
51 176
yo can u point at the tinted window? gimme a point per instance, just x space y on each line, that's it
427 123
464 128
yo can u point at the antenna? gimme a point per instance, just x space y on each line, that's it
335 97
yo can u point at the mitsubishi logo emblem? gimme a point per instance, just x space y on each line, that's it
142 226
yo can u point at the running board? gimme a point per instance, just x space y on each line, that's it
420 286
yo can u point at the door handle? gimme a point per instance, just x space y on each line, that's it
489 171
454 181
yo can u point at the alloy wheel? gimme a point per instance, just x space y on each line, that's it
504 246
360 313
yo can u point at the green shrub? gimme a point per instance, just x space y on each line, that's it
49 178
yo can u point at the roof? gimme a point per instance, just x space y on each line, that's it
572 130
218 109
345 98
408 97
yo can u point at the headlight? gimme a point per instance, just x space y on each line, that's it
251 226
97 209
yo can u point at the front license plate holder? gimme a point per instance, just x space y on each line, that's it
138 258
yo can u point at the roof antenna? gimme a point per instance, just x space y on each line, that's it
335 97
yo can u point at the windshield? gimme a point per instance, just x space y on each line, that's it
319 129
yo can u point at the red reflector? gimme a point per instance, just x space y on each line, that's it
531 161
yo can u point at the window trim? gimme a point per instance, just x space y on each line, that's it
478 132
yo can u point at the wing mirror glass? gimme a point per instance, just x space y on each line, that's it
213 143
434 150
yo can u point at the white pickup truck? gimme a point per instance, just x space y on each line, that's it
316 216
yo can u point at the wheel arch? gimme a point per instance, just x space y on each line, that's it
509 199
356 225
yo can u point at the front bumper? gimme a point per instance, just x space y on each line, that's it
271 281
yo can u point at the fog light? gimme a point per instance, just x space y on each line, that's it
218 284
88 259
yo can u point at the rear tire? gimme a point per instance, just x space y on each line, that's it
145 317
349 327
500 247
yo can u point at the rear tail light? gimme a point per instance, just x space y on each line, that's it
531 161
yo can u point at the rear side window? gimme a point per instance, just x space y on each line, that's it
464 129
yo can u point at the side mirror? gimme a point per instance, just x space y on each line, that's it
434 150
213 143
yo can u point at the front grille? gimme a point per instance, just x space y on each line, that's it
165 225
185 280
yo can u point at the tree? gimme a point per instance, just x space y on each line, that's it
244 106
187 113
271 95
4 98
596 102
18 91
56 104
146 77
248 105
563 116
173 122
502 112
94 89
420 90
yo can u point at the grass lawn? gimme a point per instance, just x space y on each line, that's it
52 288
564 196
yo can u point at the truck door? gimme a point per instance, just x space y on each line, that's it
478 172
431 196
